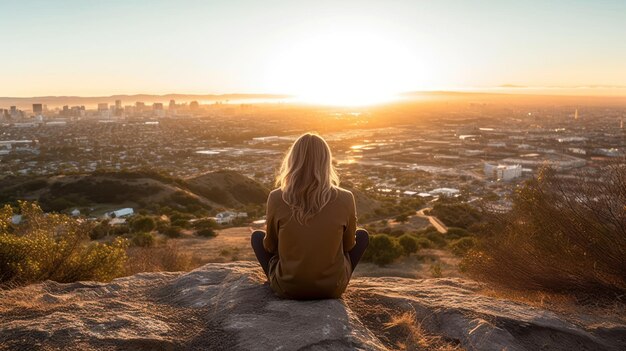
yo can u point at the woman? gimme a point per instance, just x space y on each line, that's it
311 245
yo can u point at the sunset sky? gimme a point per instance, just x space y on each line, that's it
353 50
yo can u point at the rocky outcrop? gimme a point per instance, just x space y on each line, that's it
230 307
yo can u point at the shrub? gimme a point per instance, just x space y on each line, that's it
408 243
206 233
180 222
100 230
424 243
396 232
56 247
456 214
142 224
205 223
143 239
435 270
120 229
382 249
456 233
561 235
461 246
402 218
172 232
437 239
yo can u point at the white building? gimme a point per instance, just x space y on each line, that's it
228 217
503 172
444 191
122 212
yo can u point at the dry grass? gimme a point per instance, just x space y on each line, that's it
413 337
562 303
164 258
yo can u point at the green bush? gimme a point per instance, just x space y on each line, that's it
383 249
143 239
408 243
55 247
206 233
100 230
402 218
424 243
180 222
205 223
456 233
142 224
456 214
437 238
120 229
461 246
173 232
396 232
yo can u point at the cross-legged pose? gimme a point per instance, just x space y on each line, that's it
311 244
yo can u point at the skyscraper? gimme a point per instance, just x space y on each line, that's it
38 109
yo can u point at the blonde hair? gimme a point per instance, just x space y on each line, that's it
307 177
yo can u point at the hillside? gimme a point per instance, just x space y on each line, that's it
230 307
228 187
138 189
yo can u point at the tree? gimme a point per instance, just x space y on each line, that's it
383 249
408 243
402 218
142 224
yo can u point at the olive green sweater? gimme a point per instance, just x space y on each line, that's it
311 260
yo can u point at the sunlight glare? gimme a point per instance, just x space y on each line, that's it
346 67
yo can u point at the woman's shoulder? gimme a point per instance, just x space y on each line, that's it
275 197
344 194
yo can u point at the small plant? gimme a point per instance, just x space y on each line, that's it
206 233
424 243
435 270
143 239
173 232
142 224
460 247
409 244
383 249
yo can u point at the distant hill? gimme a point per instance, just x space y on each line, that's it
142 189
90 101
228 187
103 190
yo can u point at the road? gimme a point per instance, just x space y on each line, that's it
434 221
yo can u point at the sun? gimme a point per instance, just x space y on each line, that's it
345 66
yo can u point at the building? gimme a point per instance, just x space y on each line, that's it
122 212
38 109
228 217
444 192
503 172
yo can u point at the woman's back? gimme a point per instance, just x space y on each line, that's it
311 260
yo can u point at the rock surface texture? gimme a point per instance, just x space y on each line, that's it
230 307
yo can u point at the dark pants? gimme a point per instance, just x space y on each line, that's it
362 240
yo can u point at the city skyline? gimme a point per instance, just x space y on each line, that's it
324 52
